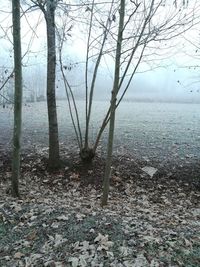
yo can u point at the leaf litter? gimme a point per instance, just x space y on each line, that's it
150 220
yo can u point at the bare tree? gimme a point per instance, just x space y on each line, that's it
48 8
149 29
54 158
6 34
134 46
17 98
100 17
87 152
113 103
7 94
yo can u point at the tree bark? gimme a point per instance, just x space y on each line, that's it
17 98
106 182
54 157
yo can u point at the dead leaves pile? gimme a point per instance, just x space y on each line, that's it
55 227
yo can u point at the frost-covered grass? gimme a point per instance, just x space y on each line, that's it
160 131
66 226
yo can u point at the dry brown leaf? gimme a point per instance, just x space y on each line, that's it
31 236
74 177
116 179
18 255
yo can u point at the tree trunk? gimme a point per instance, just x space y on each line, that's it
17 97
54 157
107 174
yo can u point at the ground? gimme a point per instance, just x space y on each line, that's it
150 221
58 221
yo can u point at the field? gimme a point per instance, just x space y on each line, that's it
158 131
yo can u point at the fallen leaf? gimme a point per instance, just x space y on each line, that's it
62 218
31 236
149 170
18 255
104 244
74 261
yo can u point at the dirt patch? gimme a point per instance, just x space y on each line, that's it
125 169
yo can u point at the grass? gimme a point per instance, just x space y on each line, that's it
3 230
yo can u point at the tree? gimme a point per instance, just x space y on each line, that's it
133 46
87 152
54 158
97 17
17 97
113 102
146 36
7 94
6 80
48 8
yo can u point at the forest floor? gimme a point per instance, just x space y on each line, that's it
151 220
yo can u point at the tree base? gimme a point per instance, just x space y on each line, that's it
87 155
54 166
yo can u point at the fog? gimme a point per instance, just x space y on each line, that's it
168 78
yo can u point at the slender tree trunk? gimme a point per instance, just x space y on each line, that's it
107 174
54 157
17 97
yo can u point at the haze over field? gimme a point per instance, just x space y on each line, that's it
165 132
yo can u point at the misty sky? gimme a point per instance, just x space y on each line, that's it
166 77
